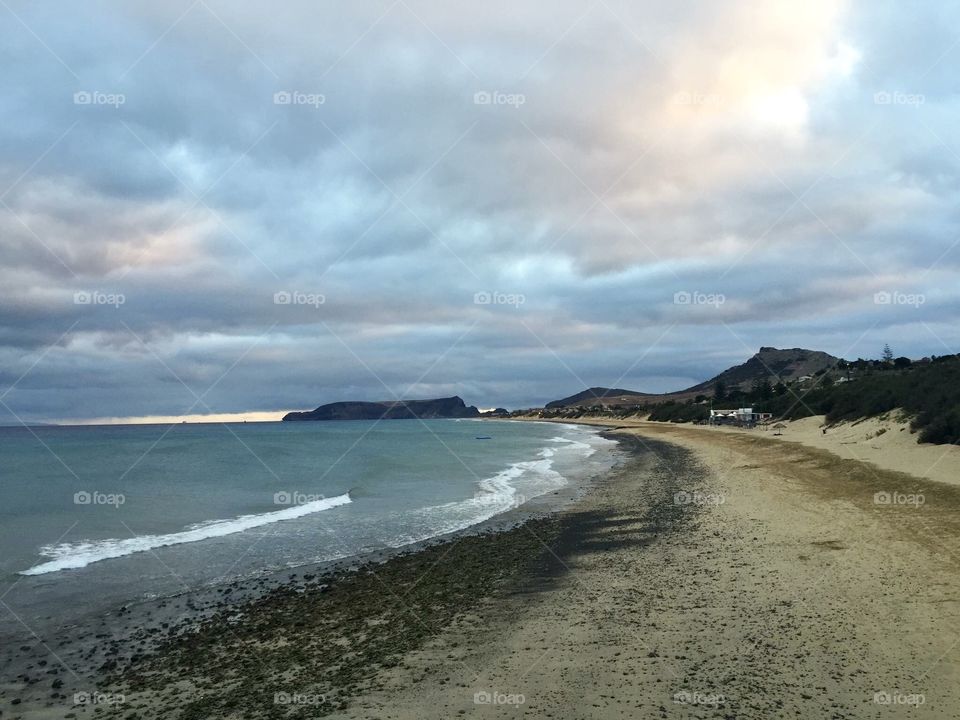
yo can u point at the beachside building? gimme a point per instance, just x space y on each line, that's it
740 416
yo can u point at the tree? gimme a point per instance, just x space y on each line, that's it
761 389
845 366
887 354
902 362
719 391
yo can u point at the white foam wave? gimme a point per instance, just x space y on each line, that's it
585 449
494 495
77 555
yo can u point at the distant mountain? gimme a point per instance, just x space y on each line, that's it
452 407
600 396
770 363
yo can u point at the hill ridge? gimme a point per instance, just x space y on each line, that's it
769 362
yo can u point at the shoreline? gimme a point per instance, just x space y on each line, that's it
788 592
256 579
707 575
37 684
339 602
885 442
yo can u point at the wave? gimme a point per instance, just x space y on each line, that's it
77 555
508 489
585 449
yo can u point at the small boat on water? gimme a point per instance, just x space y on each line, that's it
483 437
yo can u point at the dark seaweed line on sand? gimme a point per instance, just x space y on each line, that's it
329 638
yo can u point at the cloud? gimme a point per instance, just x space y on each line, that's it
396 159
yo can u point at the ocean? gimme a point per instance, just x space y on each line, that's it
96 517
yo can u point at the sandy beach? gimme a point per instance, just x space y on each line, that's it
732 577
711 574
883 442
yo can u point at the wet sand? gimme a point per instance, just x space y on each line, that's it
132 660
710 575
728 577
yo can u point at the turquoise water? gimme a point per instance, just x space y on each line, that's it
128 512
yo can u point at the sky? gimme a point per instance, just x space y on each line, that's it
239 209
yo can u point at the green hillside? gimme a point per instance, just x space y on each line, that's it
928 392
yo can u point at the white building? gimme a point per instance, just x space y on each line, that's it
740 416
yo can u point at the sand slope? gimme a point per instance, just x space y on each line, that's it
886 443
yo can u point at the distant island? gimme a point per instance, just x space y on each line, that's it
452 407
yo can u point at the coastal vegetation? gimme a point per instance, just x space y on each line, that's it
926 392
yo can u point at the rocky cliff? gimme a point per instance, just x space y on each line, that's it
452 407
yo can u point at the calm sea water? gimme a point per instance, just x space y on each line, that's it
129 512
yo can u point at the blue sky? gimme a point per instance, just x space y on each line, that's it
211 207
